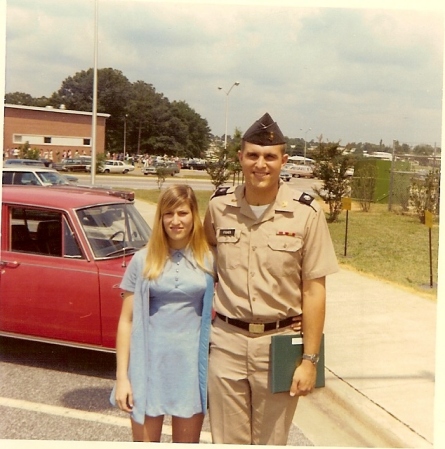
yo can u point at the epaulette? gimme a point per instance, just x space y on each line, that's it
306 199
220 191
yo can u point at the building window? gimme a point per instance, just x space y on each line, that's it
47 140
87 142
17 138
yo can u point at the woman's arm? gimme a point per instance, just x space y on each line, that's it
124 395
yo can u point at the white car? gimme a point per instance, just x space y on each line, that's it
299 171
117 167
34 175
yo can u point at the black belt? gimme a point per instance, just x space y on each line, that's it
257 328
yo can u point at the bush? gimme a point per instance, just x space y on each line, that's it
331 166
363 185
424 194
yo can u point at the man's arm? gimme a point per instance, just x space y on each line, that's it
314 307
209 229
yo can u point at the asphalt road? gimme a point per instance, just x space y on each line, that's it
49 392
136 180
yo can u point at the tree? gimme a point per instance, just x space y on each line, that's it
197 129
425 194
113 90
363 185
330 166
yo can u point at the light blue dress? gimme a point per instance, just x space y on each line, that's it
169 387
176 300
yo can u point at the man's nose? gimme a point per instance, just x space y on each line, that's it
261 162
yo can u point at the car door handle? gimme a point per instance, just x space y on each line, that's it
5 264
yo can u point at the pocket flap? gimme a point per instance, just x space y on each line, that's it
285 243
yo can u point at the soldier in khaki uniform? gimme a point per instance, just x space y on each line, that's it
273 253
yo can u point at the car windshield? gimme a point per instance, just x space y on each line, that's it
52 178
114 229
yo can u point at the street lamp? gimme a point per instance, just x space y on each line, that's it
125 135
301 129
236 83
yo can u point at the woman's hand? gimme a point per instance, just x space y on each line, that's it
124 395
297 324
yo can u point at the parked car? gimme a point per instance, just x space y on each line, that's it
34 175
285 176
33 162
196 164
64 251
299 171
168 168
116 167
70 165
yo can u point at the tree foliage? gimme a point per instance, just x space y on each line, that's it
141 119
363 185
330 167
424 194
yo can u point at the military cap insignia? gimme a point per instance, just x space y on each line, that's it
220 191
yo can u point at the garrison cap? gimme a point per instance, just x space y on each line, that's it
264 132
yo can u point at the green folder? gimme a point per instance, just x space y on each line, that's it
286 354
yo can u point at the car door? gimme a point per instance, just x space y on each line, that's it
49 290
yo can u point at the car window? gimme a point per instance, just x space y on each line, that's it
7 177
113 229
39 231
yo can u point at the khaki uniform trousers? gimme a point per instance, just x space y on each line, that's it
242 410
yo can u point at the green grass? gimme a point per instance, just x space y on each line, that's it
383 244
389 246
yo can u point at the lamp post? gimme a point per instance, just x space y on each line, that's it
236 83
301 129
125 135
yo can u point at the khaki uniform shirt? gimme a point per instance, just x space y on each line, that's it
261 262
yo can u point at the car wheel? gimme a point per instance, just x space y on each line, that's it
107 170
125 172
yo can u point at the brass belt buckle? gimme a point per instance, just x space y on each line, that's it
256 328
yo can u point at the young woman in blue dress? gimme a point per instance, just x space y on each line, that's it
163 333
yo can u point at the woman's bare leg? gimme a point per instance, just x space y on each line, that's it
187 430
150 431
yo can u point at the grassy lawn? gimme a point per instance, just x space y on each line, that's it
389 246
383 244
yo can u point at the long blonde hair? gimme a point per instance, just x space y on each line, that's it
158 248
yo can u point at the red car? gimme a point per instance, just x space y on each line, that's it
63 253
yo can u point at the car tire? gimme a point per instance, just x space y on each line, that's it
125 172
106 170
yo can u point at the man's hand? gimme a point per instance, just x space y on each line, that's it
304 378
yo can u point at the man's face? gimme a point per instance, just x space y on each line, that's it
262 165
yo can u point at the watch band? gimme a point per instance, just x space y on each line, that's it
313 358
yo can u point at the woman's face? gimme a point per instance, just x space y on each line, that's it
178 225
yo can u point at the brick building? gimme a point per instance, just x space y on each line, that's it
54 132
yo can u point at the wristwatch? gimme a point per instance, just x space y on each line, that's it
313 358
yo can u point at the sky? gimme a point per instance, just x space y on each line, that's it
345 73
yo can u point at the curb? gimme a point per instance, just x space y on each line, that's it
340 415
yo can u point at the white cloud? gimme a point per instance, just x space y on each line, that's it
353 74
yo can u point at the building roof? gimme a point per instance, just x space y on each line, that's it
52 109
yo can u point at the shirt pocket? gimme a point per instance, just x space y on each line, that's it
284 255
229 249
